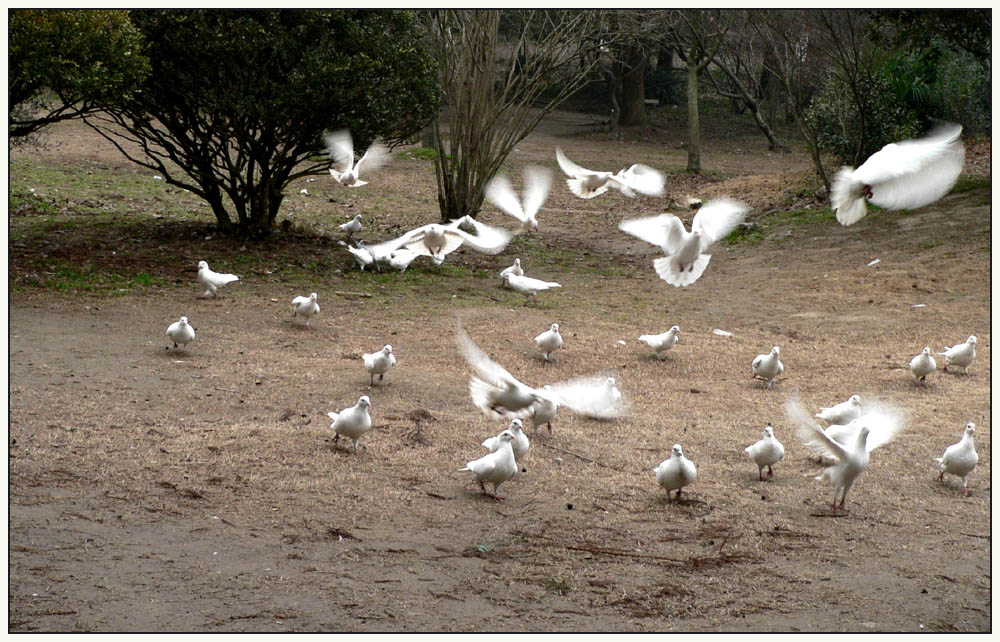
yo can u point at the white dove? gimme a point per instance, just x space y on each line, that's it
960 355
520 444
872 430
305 306
497 393
661 342
352 226
961 458
496 467
843 413
513 269
549 341
676 472
181 332
528 286
686 257
922 365
899 176
378 363
437 241
352 422
213 280
340 147
544 410
767 366
766 452
587 183
537 181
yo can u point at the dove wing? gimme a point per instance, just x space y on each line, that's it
644 179
810 432
570 168
500 193
587 396
883 425
491 371
487 239
340 147
656 230
375 156
717 218
537 181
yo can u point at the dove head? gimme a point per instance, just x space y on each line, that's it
517 262
202 264
970 429
515 426
676 451
184 320
507 436
675 329
775 351
364 401
555 327
610 382
768 432
313 296
926 351
387 349
971 339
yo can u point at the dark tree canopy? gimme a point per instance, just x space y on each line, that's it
61 63
238 101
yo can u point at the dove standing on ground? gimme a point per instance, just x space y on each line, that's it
961 458
766 452
181 332
352 422
528 286
686 257
496 467
663 342
520 443
587 183
904 175
514 269
305 307
767 366
537 181
340 147
873 429
676 472
213 280
960 355
843 413
922 365
378 363
351 227
549 341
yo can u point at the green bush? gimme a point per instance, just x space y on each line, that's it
960 92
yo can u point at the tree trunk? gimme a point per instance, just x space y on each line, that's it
634 89
694 128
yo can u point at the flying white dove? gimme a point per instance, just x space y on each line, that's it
676 472
528 286
537 181
960 355
549 341
305 307
340 147
767 366
497 393
843 413
378 363
961 458
766 452
352 226
685 251
181 332
496 467
900 176
213 280
922 365
872 430
587 183
520 444
513 269
352 422
661 342
437 241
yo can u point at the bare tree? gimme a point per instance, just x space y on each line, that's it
497 89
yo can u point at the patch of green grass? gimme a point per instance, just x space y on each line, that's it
421 153
967 183
745 236
561 586
86 279
929 245
802 217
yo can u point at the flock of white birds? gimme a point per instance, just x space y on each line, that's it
906 175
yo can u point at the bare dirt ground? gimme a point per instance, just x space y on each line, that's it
199 490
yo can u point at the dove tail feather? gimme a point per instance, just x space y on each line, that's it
668 268
847 197
576 186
